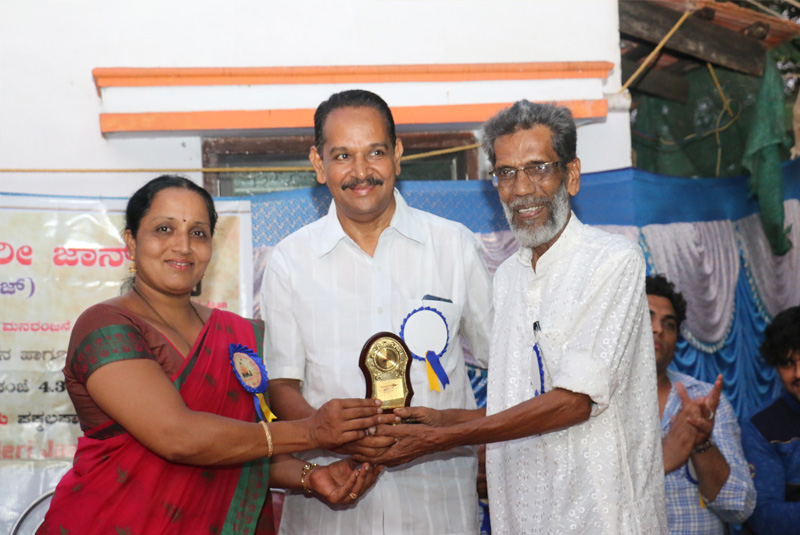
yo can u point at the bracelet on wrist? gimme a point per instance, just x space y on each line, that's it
304 475
269 437
704 447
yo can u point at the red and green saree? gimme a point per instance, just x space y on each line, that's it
116 485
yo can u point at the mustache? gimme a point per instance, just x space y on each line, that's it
357 182
529 200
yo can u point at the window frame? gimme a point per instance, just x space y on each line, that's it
214 147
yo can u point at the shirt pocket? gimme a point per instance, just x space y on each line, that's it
551 346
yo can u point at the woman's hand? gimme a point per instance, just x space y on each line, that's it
343 482
340 421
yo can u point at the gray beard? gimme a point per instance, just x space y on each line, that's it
558 214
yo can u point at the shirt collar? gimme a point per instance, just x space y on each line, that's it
673 404
561 245
403 221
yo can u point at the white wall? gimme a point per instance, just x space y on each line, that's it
49 106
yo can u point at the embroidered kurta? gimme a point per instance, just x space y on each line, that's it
687 514
593 336
323 297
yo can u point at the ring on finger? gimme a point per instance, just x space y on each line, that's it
353 496
710 416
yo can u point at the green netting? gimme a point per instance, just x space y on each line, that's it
701 139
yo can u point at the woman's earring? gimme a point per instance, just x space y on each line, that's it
197 290
132 267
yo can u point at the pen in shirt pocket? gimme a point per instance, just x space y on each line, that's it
537 350
429 297
537 330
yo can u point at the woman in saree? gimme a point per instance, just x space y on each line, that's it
167 393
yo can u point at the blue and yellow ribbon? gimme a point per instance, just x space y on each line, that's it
435 371
252 375
433 366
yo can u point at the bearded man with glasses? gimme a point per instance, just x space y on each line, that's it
572 419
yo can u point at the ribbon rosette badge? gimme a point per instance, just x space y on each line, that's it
252 375
426 334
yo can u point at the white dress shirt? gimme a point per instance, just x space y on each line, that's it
322 298
605 475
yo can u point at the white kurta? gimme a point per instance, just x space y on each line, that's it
604 476
322 298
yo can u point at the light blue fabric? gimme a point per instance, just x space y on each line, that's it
622 197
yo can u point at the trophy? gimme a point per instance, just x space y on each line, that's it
386 363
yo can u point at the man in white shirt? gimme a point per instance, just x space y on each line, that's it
360 270
572 415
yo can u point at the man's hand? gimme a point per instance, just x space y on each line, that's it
438 417
703 409
410 441
680 440
421 415
691 427
403 443
340 421
710 465
367 448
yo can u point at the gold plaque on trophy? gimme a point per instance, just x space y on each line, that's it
386 363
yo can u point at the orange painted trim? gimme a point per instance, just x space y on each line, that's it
113 123
478 113
351 74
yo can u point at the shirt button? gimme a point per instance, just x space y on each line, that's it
380 310
379 268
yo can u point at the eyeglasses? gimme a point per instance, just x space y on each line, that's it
537 172
789 363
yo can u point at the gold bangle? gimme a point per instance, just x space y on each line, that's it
269 437
304 473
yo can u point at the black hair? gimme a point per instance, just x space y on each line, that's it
139 203
781 337
524 115
353 98
660 286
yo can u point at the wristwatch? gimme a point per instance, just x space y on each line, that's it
704 447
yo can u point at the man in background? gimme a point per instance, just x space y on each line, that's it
771 437
708 483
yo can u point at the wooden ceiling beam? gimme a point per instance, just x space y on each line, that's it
657 82
683 66
696 37
636 49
